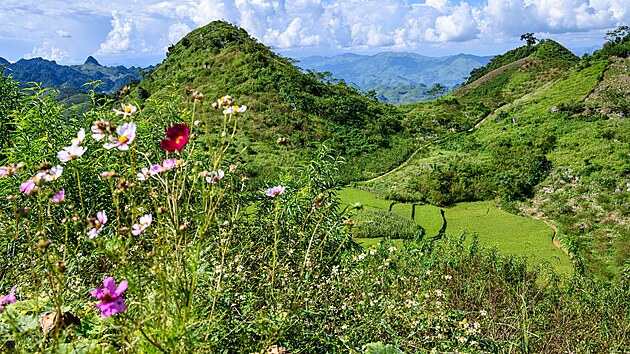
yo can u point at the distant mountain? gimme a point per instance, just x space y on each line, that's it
51 74
397 77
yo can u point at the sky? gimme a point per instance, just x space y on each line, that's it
138 32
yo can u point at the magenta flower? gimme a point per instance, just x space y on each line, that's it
8 299
99 223
58 197
145 221
126 134
274 191
176 137
109 295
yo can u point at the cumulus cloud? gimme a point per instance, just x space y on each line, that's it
119 38
49 52
151 25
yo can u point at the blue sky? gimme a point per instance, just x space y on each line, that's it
137 32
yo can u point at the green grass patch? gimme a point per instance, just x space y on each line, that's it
494 228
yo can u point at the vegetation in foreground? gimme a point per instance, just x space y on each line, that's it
118 237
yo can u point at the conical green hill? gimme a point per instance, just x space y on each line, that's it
221 59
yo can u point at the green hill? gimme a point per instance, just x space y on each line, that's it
543 134
284 103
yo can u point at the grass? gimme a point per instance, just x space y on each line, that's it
507 232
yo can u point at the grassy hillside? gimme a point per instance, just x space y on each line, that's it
299 109
542 134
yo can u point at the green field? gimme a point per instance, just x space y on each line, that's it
495 228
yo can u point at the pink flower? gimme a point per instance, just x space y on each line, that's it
98 223
58 197
109 295
145 221
274 191
142 176
215 176
8 299
10 170
126 134
155 169
34 184
170 164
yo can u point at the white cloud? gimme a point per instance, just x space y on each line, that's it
119 39
147 28
49 52
63 34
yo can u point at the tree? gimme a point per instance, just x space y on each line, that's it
437 90
618 35
529 38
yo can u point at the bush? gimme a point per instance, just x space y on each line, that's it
381 223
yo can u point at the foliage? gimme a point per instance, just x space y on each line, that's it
372 224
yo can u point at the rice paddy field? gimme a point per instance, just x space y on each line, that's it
507 232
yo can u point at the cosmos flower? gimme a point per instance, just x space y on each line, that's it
58 197
7 299
274 191
126 134
109 295
99 223
215 176
99 128
71 152
235 110
12 169
127 110
176 137
145 221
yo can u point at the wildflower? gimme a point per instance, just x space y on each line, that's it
99 128
145 221
392 249
344 326
53 173
274 191
12 169
215 176
233 168
58 197
282 141
127 110
170 164
126 134
142 176
483 313
33 185
225 100
109 295
7 299
448 277
98 223
155 169
198 96
70 153
176 137
79 139
234 110
109 174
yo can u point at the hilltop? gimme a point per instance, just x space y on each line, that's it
298 108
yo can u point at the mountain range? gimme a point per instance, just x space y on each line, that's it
397 77
70 77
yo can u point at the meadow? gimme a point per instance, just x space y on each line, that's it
493 227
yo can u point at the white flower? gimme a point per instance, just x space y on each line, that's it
126 134
71 152
127 110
